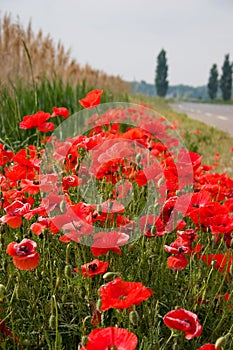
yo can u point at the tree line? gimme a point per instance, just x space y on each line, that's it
214 82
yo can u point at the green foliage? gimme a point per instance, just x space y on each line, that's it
213 82
18 101
226 79
161 82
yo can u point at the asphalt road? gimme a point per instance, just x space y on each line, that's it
218 116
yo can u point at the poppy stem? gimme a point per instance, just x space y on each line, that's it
168 341
58 336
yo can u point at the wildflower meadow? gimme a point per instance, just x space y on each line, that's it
114 234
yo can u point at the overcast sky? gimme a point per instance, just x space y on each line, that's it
124 37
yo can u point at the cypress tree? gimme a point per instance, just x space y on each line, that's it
226 79
213 82
161 82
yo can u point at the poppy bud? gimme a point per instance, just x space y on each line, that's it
52 322
134 318
131 247
76 168
26 342
160 182
62 206
68 271
68 249
109 275
221 341
99 209
213 262
138 158
84 340
98 304
17 292
2 292
58 282
231 243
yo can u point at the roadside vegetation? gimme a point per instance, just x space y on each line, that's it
118 237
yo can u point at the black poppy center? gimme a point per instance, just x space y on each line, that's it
93 267
181 249
24 249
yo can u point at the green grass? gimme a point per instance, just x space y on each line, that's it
19 101
217 101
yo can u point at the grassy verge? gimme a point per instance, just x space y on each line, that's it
216 102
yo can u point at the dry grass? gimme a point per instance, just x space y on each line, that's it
47 59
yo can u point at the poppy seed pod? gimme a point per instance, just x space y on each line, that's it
134 318
52 322
68 271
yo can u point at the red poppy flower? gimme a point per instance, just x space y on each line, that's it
70 181
149 173
46 127
221 262
111 338
18 208
15 211
203 215
108 241
5 156
92 99
179 246
208 347
151 225
95 267
121 295
27 164
24 255
188 236
34 120
177 262
110 170
185 321
30 186
61 111
11 221
37 228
